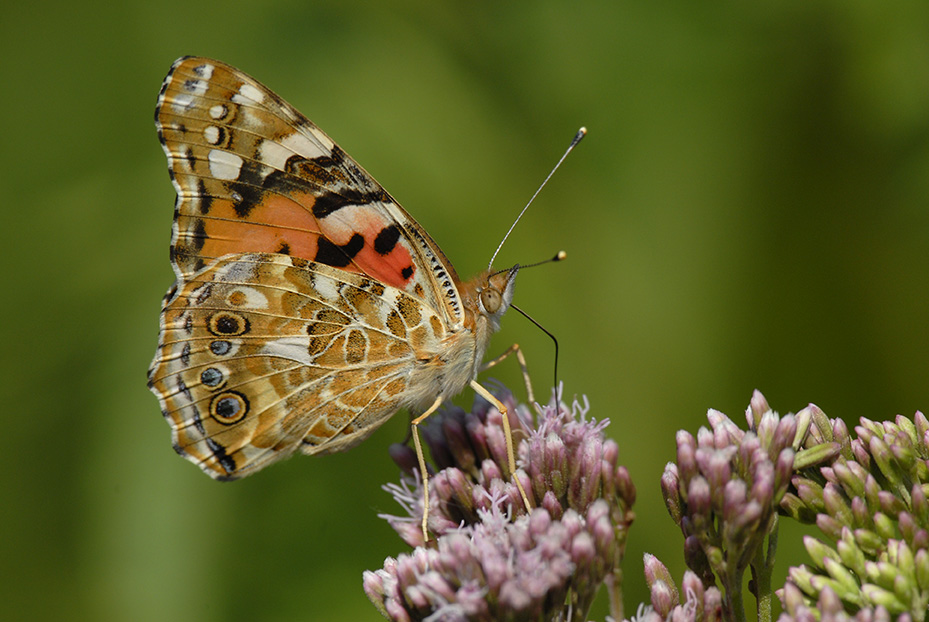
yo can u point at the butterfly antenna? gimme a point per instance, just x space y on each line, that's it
559 256
544 330
577 138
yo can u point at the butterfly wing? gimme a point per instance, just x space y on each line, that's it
262 355
304 293
254 175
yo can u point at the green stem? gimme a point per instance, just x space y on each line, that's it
762 579
734 596
762 567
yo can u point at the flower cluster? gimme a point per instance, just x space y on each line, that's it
491 559
498 568
870 502
724 492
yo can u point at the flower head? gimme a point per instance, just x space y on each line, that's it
726 486
491 558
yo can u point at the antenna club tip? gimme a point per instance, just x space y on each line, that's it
581 133
560 256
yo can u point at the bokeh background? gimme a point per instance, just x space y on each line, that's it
749 210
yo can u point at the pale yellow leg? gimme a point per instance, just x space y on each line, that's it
480 390
422 462
522 366
510 454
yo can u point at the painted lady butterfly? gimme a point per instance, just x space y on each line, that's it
309 307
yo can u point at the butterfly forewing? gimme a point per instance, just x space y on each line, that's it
254 174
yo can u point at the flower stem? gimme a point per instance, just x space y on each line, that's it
614 588
762 567
736 608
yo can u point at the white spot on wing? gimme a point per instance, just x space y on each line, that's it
205 71
273 154
327 288
196 87
218 111
211 134
248 94
291 348
306 147
224 165
182 102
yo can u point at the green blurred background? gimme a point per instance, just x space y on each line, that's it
750 210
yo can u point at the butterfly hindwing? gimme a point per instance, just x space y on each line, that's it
263 355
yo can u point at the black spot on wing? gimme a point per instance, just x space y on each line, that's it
386 240
284 248
206 200
247 189
407 272
191 158
219 452
338 256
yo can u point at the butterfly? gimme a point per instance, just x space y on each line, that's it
308 307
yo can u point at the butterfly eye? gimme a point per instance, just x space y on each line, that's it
491 300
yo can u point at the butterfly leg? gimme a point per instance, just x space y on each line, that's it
422 462
510 454
514 349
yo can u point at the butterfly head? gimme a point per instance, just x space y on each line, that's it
496 294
